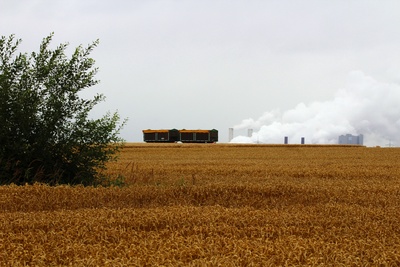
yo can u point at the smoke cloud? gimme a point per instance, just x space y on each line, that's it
364 106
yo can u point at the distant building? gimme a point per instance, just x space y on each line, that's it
349 139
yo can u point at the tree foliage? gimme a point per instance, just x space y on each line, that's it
46 133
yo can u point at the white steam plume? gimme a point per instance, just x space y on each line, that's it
364 106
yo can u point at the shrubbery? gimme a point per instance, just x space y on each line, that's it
46 133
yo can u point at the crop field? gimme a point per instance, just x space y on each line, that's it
214 205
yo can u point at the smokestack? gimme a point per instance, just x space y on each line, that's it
249 132
230 134
303 141
286 140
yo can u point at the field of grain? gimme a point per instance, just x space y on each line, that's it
214 205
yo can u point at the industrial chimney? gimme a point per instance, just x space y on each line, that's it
230 134
286 140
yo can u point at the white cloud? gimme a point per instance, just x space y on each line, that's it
364 106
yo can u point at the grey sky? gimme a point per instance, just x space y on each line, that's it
211 64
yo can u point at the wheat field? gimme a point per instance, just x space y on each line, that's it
214 205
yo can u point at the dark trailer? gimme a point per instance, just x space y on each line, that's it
160 136
199 136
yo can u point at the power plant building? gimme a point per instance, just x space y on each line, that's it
349 139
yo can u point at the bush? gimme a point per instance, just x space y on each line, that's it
46 133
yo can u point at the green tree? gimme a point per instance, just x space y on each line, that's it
46 133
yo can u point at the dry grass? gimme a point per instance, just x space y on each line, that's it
215 205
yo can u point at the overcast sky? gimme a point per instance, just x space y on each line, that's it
214 63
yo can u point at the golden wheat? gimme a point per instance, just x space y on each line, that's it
214 205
